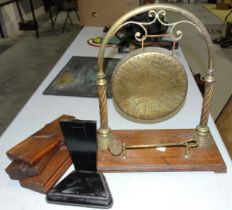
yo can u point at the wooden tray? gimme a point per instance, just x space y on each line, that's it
173 159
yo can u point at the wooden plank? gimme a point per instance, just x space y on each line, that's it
19 170
173 159
34 148
55 168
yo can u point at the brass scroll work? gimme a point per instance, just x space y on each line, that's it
202 129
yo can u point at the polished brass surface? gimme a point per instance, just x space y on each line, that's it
104 132
104 137
157 11
203 136
162 8
104 140
117 147
149 85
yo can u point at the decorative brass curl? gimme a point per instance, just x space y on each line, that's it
152 12
162 10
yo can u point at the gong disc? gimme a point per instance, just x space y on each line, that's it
149 85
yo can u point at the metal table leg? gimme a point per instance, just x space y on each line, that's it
1 31
34 19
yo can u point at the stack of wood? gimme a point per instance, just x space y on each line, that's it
40 160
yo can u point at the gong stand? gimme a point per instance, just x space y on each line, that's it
154 150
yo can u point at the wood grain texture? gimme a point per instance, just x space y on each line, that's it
35 147
19 170
224 125
173 159
55 168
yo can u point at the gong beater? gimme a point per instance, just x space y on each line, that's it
117 147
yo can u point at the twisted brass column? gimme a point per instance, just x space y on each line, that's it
104 132
202 130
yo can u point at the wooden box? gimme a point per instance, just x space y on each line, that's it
103 12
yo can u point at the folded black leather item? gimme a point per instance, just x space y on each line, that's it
84 186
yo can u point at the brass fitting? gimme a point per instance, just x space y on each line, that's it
104 138
202 135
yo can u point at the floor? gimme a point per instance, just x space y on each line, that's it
25 61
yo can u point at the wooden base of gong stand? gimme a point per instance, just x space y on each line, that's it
201 158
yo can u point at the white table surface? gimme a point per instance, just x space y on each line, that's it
151 190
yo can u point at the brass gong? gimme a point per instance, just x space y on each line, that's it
149 84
